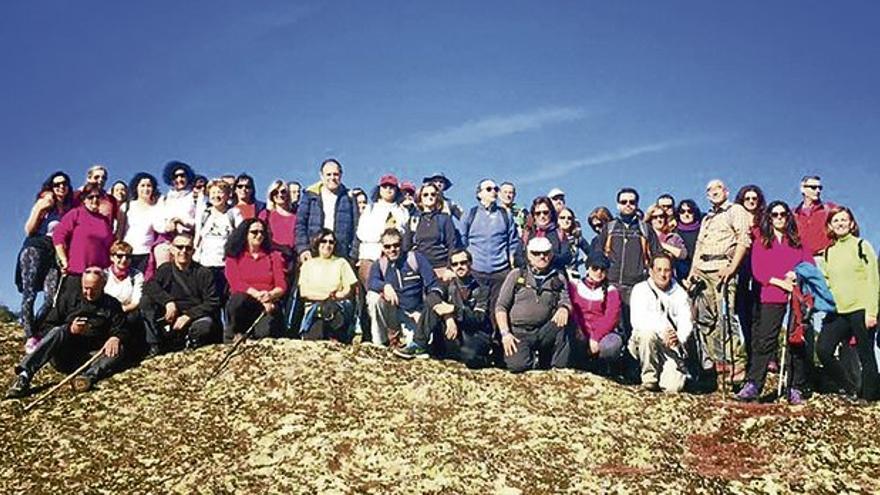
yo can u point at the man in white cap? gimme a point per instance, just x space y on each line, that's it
533 311
558 197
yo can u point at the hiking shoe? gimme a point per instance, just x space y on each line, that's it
855 400
773 366
650 387
19 387
411 351
82 383
31 344
795 397
153 351
748 393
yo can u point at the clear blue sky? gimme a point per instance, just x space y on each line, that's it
588 96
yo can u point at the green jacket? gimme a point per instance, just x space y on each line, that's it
850 267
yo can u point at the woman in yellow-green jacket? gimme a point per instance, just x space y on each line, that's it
850 267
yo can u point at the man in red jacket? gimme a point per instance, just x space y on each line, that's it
811 214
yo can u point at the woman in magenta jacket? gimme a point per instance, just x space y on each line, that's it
83 237
777 250
596 313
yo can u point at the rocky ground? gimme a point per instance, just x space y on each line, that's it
297 417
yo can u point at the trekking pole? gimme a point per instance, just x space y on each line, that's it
783 369
726 338
230 352
61 280
63 382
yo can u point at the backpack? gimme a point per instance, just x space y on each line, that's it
473 213
862 255
411 260
643 239
442 221
555 285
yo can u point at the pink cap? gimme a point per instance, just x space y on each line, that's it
388 180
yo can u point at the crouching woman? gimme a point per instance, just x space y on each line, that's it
326 284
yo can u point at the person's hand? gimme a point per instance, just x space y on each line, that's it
170 312
181 323
447 275
786 285
63 265
670 338
726 272
79 325
594 347
508 341
444 308
870 321
45 202
305 256
269 307
560 317
791 276
390 296
264 296
451 329
111 347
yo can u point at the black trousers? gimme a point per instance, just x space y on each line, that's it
470 347
550 342
202 331
242 310
67 352
837 329
764 344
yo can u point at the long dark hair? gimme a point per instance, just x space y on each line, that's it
762 202
237 242
398 195
67 200
790 232
698 214
174 166
544 200
133 185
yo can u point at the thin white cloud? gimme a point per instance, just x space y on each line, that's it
555 170
477 131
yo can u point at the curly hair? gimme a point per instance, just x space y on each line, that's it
601 213
236 244
670 224
759 207
315 242
138 177
790 231
692 205
174 166
67 201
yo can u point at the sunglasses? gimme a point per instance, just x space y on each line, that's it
242 186
390 186
779 214
658 217
257 232
627 202
685 211
542 254
429 195
456 264
327 241
666 207
121 256
815 187
59 184
542 213
750 198
395 245
596 226
93 196
183 247
566 217
491 188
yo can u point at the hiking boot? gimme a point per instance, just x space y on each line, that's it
650 387
411 351
82 383
773 366
855 400
749 393
795 397
19 387
31 344
153 351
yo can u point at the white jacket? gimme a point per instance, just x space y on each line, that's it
373 222
646 314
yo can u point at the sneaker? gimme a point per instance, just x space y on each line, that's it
650 386
82 383
411 351
773 366
855 400
795 397
31 344
19 387
748 393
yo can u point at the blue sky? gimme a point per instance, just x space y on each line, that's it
588 96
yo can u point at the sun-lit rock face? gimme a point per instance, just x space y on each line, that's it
296 417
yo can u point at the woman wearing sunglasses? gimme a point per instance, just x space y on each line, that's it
664 227
687 226
544 224
326 286
177 210
36 269
257 281
126 285
84 235
431 231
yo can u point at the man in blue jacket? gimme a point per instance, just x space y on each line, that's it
327 204
397 285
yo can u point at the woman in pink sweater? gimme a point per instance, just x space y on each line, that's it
83 237
596 313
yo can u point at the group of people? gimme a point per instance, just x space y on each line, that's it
668 296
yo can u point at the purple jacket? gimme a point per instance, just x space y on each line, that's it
774 262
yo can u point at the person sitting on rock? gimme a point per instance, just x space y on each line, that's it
662 323
180 302
326 286
458 320
533 312
397 286
81 323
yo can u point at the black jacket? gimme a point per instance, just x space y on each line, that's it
471 301
105 316
192 290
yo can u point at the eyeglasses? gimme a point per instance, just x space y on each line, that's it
183 247
750 197
242 186
542 254
180 175
59 184
327 241
627 202
280 192
566 217
429 195
815 187
779 214
456 264
685 211
542 213
395 245
658 217
121 256
93 196
257 232
491 188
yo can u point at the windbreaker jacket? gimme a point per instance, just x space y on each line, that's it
310 221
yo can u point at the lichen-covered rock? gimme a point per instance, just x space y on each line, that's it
299 417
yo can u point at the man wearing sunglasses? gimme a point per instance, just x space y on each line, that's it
397 285
81 323
533 312
457 321
811 215
181 306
